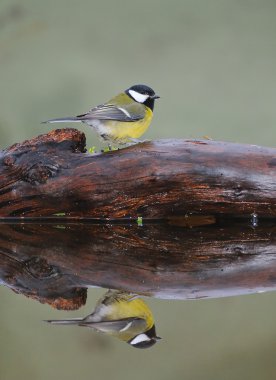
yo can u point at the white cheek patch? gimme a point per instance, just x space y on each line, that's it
140 338
140 98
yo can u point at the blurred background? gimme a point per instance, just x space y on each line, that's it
213 64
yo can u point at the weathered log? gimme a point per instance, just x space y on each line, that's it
53 174
56 263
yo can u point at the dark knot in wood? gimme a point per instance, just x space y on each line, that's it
39 268
9 161
39 173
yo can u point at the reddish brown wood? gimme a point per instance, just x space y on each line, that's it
56 263
51 174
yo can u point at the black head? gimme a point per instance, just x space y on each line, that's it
146 339
142 94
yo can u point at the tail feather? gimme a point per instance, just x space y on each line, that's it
73 321
62 120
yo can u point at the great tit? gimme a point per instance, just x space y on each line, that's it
122 315
123 118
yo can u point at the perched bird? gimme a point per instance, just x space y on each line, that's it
123 118
122 315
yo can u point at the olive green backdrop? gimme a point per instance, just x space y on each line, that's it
213 63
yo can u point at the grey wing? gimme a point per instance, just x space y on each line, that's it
119 325
112 112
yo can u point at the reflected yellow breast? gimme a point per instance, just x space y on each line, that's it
134 308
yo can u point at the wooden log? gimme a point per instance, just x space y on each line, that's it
53 174
56 263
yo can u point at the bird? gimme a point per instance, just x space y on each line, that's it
122 119
122 315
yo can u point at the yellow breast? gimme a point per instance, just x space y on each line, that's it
125 131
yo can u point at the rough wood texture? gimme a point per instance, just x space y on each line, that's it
52 174
56 263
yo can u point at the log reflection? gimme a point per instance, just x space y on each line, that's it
56 263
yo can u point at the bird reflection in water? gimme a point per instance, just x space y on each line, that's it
122 315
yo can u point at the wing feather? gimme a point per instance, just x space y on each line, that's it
127 112
119 325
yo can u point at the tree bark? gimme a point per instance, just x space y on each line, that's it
53 174
56 263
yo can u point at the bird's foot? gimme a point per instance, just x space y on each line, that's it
109 148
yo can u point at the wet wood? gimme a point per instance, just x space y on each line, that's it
56 263
52 174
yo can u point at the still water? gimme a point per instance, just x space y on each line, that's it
56 272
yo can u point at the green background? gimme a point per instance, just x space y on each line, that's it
214 65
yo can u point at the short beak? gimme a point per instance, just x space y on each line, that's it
155 97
